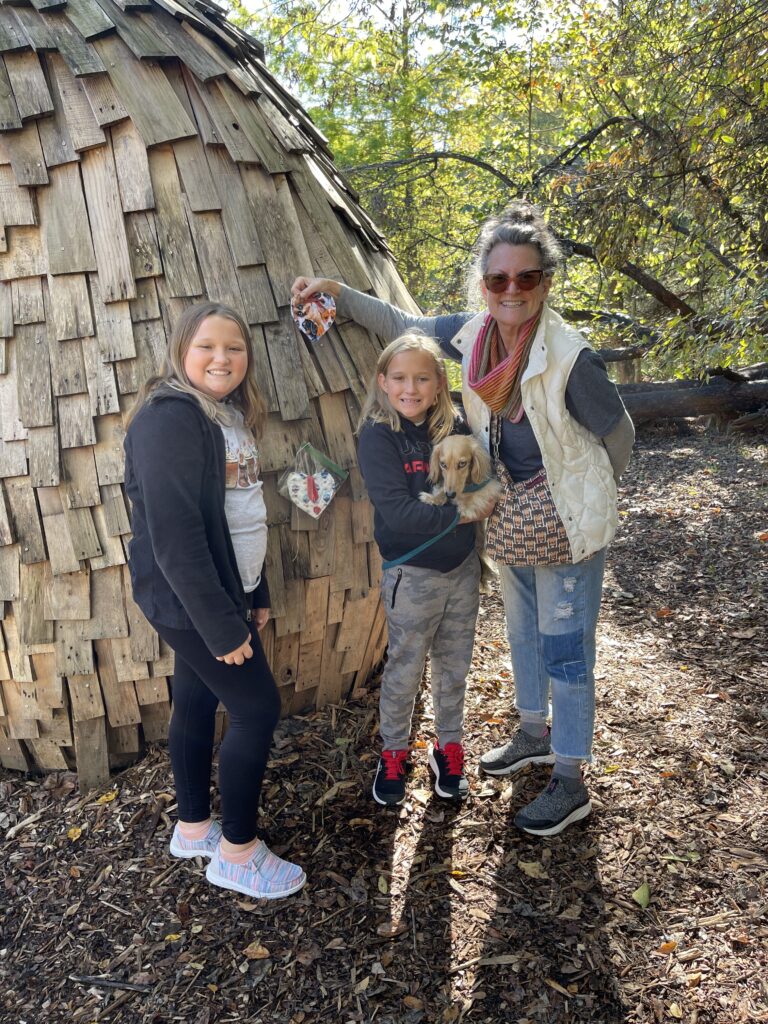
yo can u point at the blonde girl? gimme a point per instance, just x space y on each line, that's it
196 562
430 587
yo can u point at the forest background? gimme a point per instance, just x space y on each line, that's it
640 125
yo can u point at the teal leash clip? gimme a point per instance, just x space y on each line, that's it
422 547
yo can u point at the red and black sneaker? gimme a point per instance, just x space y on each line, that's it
448 766
389 784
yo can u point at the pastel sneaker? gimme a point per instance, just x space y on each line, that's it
264 877
188 848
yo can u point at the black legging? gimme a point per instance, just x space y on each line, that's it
250 695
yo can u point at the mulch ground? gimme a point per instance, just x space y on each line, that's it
654 909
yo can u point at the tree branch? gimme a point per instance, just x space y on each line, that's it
422 158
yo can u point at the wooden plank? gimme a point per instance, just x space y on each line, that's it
69 307
9 573
215 260
331 683
227 128
176 246
126 668
246 115
343 562
6 313
152 691
9 112
68 596
82 533
287 370
204 64
316 613
312 379
143 245
322 545
16 207
80 57
146 94
108 451
106 105
89 19
68 376
149 337
75 422
336 606
115 511
55 136
145 306
107 611
196 177
84 130
12 37
21 721
81 484
92 753
29 86
21 666
47 753
65 223
275 234
26 256
100 378
25 519
114 328
338 431
27 297
132 168
35 29
85 696
154 721
13 754
43 453
74 656
121 702
26 155
107 226
310 661
184 85
6 529
355 627
145 644
137 32
285 660
263 369
257 295
324 352
236 210
33 627
13 429
13 459
113 552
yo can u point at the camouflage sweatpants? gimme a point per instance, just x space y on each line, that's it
428 612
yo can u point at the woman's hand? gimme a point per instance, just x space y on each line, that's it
260 618
303 288
238 656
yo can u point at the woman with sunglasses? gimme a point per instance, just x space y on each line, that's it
539 397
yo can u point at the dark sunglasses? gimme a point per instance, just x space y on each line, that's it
526 281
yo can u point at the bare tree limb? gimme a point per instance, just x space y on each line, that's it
433 157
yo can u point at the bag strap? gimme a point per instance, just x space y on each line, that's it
422 547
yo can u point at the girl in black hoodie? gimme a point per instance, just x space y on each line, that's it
196 562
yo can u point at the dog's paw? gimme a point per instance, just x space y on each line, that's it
432 499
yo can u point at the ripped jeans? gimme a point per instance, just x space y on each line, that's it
551 613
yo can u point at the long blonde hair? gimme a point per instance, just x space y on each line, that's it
378 408
246 397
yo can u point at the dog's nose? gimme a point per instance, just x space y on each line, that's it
450 494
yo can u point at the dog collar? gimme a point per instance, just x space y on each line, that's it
471 488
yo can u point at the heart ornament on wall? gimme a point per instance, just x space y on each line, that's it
311 492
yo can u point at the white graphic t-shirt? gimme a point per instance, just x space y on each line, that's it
243 501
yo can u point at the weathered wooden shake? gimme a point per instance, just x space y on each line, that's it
148 159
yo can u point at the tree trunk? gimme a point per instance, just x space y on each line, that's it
678 399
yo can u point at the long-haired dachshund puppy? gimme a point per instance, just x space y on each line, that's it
459 462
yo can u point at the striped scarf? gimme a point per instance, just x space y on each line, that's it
494 374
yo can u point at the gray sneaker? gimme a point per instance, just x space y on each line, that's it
554 809
521 750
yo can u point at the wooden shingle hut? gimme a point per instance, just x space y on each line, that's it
148 159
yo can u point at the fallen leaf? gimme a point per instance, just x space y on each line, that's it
383 885
255 951
362 985
359 822
334 791
413 1002
572 912
663 613
744 634
675 1011
693 980
667 947
642 895
390 929
107 798
173 937
74 833
532 868
557 987
422 795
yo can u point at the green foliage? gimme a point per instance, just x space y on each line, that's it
641 125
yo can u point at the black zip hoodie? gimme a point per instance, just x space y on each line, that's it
182 563
395 466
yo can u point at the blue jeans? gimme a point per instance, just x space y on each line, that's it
551 613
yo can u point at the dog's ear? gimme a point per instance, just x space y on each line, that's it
434 466
481 464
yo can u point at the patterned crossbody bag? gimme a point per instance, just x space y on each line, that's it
524 528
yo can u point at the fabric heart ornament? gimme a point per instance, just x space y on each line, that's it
315 317
311 492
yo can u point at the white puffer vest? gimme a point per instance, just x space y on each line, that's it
577 465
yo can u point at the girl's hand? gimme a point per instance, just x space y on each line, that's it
260 618
238 656
303 288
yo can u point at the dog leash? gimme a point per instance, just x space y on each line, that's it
422 547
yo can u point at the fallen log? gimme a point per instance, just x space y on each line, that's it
670 400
